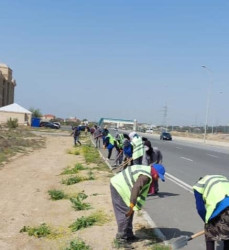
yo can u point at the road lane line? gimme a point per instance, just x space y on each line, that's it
187 159
179 182
213 156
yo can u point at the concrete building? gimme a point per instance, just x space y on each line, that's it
15 111
7 85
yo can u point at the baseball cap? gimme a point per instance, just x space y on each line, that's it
160 170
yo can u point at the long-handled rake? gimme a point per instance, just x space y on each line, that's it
121 167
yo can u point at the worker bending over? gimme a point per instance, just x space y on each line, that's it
212 203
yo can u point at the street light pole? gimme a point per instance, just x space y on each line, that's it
210 73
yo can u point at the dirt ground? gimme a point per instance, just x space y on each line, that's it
24 185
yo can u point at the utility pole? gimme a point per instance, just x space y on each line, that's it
165 113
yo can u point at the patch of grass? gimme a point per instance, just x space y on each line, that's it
91 175
97 218
56 194
73 151
77 204
19 140
41 231
117 244
78 245
73 180
82 195
91 154
74 170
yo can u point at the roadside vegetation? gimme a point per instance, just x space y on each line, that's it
97 218
90 169
17 140
78 245
41 231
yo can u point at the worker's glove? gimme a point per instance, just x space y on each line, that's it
131 210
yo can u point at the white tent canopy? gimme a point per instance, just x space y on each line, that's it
15 108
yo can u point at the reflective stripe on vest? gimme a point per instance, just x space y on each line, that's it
137 147
111 139
125 180
213 188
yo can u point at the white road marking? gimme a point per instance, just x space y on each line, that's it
179 182
178 148
213 156
187 159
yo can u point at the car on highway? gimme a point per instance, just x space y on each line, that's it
57 123
166 136
150 131
49 125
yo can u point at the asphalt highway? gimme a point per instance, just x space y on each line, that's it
173 209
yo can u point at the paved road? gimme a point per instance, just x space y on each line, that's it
173 210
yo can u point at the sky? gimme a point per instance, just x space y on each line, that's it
127 59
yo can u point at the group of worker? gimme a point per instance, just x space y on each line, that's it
131 186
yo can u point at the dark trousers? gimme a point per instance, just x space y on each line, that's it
97 142
210 245
76 139
125 224
138 161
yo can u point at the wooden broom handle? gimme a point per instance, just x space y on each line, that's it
197 234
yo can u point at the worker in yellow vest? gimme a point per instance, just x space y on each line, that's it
129 190
138 148
212 203
109 143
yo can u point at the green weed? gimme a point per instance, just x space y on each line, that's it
91 154
77 204
12 123
91 175
56 194
73 170
82 195
98 218
72 180
73 151
78 245
117 244
42 231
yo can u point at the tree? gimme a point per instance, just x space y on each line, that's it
36 113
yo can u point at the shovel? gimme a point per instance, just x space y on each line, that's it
183 240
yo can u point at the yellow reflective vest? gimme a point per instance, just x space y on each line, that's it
138 149
124 181
214 188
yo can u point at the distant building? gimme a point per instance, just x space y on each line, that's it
15 111
72 119
48 117
7 85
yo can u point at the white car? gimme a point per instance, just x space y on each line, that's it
149 131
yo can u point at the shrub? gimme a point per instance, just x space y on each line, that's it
72 180
42 231
12 123
78 245
98 218
73 170
56 194
79 205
